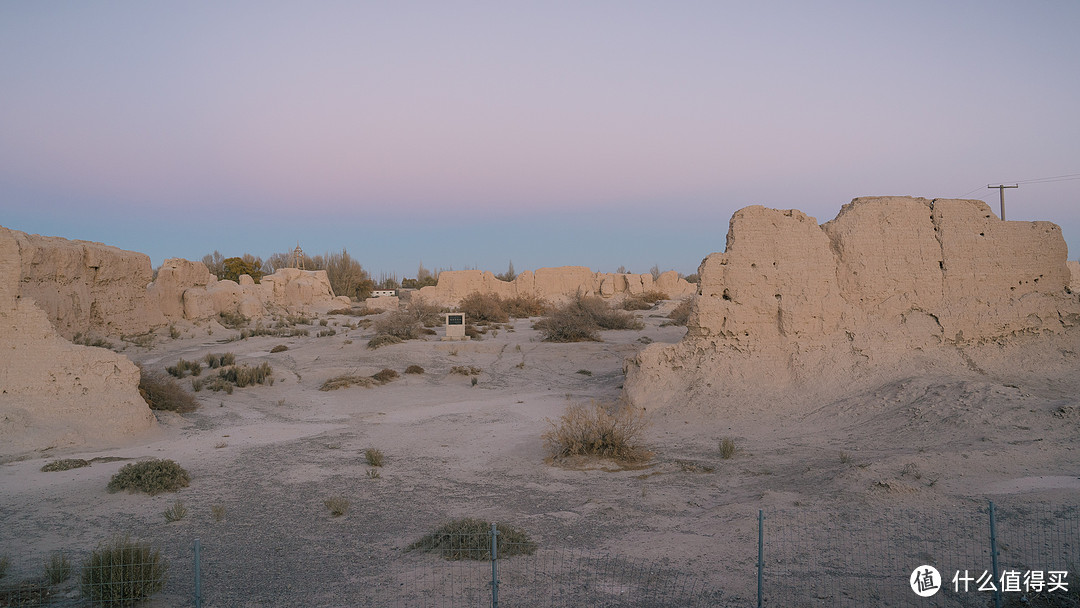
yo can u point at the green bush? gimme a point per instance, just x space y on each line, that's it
163 393
470 538
122 572
150 476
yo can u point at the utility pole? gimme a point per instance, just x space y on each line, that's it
1001 190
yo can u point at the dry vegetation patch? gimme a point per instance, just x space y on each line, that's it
65 464
470 538
582 318
601 430
346 380
122 572
163 393
150 476
680 314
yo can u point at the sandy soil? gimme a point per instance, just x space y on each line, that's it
270 455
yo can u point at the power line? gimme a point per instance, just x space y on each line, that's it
1039 180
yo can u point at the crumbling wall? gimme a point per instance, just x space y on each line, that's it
553 284
54 393
86 287
187 290
892 285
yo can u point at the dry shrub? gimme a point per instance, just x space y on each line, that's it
604 430
57 568
727 448
345 381
122 572
582 318
401 324
374 457
338 505
150 476
470 538
244 375
465 370
681 313
216 360
65 464
163 393
25 593
384 376
525 306
429 315
182 368
379 340
483 308
473 333
414 369
280 348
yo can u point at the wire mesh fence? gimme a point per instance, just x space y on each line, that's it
869 558
855 557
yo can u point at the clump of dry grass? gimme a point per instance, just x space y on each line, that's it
346 380
604 430
245 375
414 369
470 538
182 368
216 360
65 464
57 568
280 348
727 448
385 375
680 314
337 505
379 340
176 512
466 370
163 393
643 301
232 320
218 512
373 457
122 571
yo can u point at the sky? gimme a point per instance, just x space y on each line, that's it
475 134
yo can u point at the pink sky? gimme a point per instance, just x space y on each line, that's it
473 133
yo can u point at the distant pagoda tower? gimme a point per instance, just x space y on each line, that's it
298 257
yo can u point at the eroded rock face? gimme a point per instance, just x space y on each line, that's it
892 285
54 393
552 284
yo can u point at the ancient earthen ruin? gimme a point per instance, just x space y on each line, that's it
552 284
793 311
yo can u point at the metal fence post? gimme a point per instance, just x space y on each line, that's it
198 575
760 552
494 566
994 556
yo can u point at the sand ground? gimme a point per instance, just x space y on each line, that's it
270 455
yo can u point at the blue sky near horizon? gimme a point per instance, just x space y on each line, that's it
469 134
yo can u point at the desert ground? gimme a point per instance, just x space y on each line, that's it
271 455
